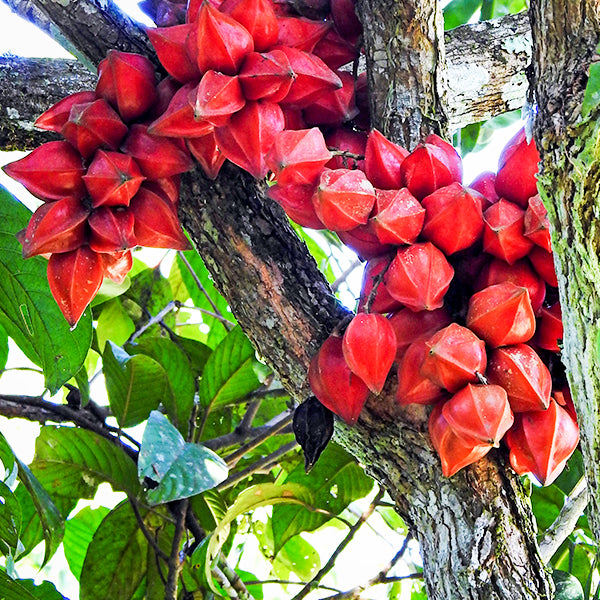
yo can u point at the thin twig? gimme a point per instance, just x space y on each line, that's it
308 588
257 466
566 520
342 278
175 559
251 410
377 280
153 321
288 582
359 589
140 521
205 311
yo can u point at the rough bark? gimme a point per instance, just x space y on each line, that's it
565 36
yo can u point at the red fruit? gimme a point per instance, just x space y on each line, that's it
426 169
55 227
112 179
267 76
334 384
127 82
517 168
178 119
50 172
157 157
398 217
334 50
249 134
456 356
413 387
168 188
485 184
333 107
218 96
541 442
453 159
363 241
480 413
502 315
156 222
347 140
345 19
75 277
298 157
220 42
537 224
313 78
57 115
521 372
296 200
301 33
166 90
170 46
344 199
111 229
550 328
382 161
205 150
455 452
116 265
361 94
383 301
543 263
369 347
442 227
419 277
259 18
293 118
521 274
410 326
504 232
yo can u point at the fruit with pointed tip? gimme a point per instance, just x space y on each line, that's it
549 332
205 150
537 224
413 386
259 18
116 265
364 241
296 201
111 229
333 107
217 97
397 217
301 33
382 161
373 276
171 49
57 115
543 264
485 184
266 76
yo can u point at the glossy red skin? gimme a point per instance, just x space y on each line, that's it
301 33
171 49
217 97
364 241
57 115
205 150
296 200
333 107
543 264
259 18
382 161
537 224
550 328
111 229
267 76
383 302
397 217
485 183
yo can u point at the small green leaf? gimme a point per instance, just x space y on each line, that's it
79 531
459 12
180 469
135 384
115 563
28 312
576 561
114 324
10 521
229 375
11 589
591 97
300 557
546 503
567 586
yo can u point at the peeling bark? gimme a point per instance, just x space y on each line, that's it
565 36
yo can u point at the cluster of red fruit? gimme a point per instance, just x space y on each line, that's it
464 275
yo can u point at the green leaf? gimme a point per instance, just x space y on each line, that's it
115 562
11 589
230 372
459 12
135 385
197 353
173 360
10 521
576 561
567 586
336 480
28 311
591 97
300 557
43 591
114 324
255 496
255 589
546 503
180 469
468 138
209 508
72 462
3 348
79 531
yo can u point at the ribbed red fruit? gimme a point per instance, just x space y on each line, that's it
397 217
413 387
298 157
504 231
480 413
454 218
382 161
541 442
543 264
334 384
344 16
485 184
369 346
259 18
56 227
364 241
249 135
127 82
455 452
116 265
373 275
205 150
267 76
52 171
501 315
75 277
301 33
296 201
217 97
57 115
410 326
550 328
333 107
537 224
344 199
170 46
112 179
419 277
111 229
334 50
453 158
521 372
517 168
456 356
